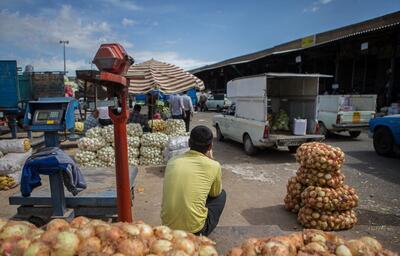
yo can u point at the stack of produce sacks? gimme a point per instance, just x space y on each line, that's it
152 146
97 148
310 242
13 154
317 192
83 236
176 146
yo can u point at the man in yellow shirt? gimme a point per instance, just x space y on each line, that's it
193 198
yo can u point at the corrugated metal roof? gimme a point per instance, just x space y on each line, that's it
372 25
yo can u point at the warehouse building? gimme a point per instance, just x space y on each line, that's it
363 58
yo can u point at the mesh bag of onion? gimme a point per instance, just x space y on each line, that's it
293 197
330 199
310 242
314 177
326 220
83 236
320 156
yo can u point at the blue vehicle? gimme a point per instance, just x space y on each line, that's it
385 132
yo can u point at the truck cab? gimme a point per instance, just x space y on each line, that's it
385 132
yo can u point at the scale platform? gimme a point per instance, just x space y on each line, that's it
97 200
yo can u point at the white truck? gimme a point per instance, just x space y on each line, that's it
255 97
345 113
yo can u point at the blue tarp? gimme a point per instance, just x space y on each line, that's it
165 97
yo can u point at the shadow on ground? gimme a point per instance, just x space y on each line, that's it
272 215
373 218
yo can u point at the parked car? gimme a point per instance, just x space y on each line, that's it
217 102
385 132
345 113
246 121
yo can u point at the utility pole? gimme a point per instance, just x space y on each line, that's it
64 42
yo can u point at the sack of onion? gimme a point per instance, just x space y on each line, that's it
293 197
107 155
150 152
91 144
157 125
175 127
134 130
158 140
84 156
108 133
310 242
320 156
314 177
158 160
330 199
327 220
95 132
83 236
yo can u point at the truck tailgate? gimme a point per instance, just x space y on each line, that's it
295 140
355 117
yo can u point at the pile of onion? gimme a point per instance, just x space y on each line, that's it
83 236
293 197
309 242
330 199
326 220
320 156
315 177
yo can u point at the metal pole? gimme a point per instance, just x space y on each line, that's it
64 42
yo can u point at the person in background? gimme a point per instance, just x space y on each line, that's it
104 118
202 101
188 109
92 120
157 115
136 117
193 198
176 106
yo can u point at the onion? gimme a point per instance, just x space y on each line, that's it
205 240
57 224
90 245
177 253
7 247
132 247
179 234
49 236
342 250
249 247
235 251
85 232
15 231
37 249
145 230
131 229
358 248
67 244
315 247
114 234
161 246
185 245
163 232
79 222
372 243
207 250
21 246
275 248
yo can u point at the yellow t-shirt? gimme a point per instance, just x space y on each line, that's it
189 179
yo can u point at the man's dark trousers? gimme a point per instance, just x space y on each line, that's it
186 118
215 206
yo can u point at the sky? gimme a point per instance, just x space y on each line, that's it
189 33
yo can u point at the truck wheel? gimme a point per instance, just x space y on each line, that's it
293 149
323 130
220 137
354 134
218 108
383 142
248 145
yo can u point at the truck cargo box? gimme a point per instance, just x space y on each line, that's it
48 84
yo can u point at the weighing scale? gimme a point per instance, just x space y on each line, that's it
56 115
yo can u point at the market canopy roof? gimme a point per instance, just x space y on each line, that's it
156 75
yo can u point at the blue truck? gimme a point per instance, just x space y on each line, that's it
385 132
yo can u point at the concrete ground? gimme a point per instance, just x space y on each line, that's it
256 187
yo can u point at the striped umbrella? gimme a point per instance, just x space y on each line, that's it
156 75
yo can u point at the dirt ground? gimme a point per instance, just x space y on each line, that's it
256 187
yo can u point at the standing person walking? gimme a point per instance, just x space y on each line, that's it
202 101
188 109
176 105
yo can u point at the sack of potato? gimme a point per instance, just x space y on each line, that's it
157 125
310 242
330 199
15 146
320 156
293 197
315 177
9 181
326 220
